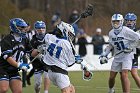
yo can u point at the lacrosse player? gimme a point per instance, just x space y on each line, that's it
58 55
38 39
121 39
130 21
13 47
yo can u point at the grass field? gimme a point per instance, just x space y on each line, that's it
98 84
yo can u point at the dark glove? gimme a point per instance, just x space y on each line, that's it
103 59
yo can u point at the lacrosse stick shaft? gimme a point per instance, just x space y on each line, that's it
34 58
115 55
76 20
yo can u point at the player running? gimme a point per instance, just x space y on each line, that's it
59 55
13 47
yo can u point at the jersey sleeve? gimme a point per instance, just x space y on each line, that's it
6 48
134 37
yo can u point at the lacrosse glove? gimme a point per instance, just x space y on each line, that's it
41 48
23 66
127 50
78 59
103 59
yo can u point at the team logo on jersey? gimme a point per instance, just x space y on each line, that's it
117 38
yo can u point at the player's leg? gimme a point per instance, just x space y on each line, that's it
126 67
15 83
4 82
115 68
46 82
112 81
37 81
125 81
134 73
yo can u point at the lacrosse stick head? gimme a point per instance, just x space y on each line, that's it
88 11
87 75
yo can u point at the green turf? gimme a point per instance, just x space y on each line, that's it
98 84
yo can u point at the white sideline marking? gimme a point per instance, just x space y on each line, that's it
132 89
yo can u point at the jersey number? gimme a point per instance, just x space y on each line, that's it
120 45
54 50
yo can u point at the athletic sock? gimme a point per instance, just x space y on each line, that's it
46 91
111 90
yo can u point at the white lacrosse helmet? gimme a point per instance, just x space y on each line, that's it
67 30
117 21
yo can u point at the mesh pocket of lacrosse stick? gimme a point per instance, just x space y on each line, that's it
87 75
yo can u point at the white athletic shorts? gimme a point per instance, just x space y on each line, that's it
119 66
38 78
58 79
46 74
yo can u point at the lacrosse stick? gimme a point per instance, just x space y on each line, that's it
34 58
87 12
115 55
87 74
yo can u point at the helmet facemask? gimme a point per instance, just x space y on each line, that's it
40 33
71 36
130 23
67 31
40 28
117 22
18 26
130 20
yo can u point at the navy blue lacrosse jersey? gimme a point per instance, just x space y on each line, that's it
15 49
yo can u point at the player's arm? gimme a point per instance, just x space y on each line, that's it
7 54
135 38
11 61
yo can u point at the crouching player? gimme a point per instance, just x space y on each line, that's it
58 56
13 47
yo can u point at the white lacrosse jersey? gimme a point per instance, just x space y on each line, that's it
58 52
120 41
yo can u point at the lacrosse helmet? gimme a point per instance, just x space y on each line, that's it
130 20
18 26
67 30
117 21
40 28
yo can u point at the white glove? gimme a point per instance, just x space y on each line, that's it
103 59
127 50
41 48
